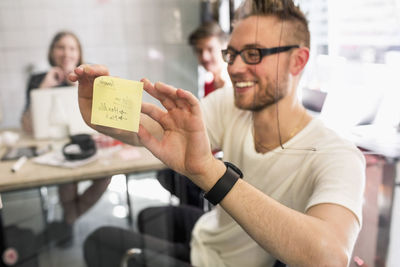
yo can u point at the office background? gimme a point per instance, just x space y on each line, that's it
134 38
355 49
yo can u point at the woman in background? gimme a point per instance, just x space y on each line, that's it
65 54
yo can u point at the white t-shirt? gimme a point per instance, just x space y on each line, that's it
297 177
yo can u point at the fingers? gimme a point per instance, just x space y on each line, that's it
164 93
58 75
165 90
149 141
56 71
169 96
87 71
190 100
153 112
159 90
85 75
189 97
95 70
149 88
72 77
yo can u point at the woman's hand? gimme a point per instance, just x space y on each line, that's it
54 77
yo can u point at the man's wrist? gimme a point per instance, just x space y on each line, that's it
224 184
214 173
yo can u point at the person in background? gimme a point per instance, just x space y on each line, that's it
290 189
207 42
65 53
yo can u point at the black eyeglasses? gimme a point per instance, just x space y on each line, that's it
253 56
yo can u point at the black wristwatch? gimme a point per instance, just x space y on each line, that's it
224 184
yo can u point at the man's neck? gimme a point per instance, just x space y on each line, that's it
275 125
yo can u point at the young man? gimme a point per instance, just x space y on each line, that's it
207 41
300 198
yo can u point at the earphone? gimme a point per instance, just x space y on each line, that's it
82 146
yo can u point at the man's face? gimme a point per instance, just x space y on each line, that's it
258 86
208 51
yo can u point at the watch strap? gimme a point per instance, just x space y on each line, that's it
224 184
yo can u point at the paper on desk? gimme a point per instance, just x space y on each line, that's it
117 103
129 153
56 158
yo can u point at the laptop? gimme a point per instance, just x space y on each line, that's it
41 105
313 100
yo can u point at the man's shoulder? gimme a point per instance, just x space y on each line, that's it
326 137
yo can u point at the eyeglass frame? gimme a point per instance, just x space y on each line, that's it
262 51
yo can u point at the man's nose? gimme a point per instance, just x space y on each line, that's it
238 65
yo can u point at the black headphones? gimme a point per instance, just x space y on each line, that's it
82 146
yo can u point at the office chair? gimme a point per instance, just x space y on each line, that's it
180 186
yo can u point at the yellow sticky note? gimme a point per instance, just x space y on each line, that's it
117 103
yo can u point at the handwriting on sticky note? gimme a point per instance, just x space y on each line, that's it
117 103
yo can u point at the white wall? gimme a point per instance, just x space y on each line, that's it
134 38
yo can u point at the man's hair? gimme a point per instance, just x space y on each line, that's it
283 10
206 30
57 38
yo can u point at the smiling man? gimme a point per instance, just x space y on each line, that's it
300 197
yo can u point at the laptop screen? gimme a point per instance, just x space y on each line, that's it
67 100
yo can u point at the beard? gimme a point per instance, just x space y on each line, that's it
264 97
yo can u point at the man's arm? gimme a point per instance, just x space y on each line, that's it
85 75
324 236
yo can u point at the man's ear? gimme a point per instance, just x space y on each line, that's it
299 59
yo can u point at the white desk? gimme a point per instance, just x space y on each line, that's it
34 175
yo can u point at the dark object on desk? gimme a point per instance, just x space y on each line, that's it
82 146
14 153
